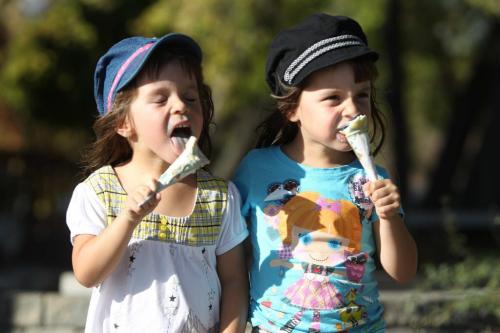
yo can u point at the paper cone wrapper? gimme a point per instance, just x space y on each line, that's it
190 160
360 144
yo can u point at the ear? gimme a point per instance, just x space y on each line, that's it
125 129
293 116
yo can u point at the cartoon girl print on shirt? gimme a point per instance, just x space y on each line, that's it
323 235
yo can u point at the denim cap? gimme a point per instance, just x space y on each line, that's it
124 61
321 40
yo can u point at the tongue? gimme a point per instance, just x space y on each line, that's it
179 143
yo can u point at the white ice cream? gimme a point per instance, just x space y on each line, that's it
190 160
356 133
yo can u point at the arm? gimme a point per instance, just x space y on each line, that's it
247 250
396 248
95 257
234 284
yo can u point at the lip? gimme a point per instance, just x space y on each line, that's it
172 126
341 137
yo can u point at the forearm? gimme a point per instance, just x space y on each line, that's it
397 249
234 306
95 257
234 283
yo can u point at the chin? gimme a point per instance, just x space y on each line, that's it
341 148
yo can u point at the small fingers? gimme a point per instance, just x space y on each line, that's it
145 197
372 186
149 199
154 184
389 191
385 196
388 211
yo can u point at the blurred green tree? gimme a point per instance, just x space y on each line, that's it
430 59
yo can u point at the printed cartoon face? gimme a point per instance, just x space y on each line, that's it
310 211
318 247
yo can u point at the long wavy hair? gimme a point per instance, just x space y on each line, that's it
110 148
276 129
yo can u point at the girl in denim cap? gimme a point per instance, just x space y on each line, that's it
174 264
316 222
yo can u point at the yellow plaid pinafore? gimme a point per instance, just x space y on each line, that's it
201 228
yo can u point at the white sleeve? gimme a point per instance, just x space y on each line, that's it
234 228
85 214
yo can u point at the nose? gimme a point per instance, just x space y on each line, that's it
351 110
178 105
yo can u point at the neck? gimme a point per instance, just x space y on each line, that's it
317 156
138 172
152 167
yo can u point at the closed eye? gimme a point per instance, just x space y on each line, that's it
191 98
364 93
160 99
335 98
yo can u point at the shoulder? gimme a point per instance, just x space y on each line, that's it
257 157
210 182
259 153
100 178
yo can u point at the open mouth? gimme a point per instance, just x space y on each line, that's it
179 136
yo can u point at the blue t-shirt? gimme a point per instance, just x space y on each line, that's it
312 245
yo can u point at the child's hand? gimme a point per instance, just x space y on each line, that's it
135 213
385 196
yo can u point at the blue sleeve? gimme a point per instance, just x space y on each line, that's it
243 181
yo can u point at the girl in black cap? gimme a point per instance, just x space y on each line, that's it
316 222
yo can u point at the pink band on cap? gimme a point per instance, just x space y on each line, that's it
122 70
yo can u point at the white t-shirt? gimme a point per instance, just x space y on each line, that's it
157 286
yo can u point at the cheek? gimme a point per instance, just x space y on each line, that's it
336 257
197 120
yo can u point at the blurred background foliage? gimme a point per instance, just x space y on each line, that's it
438 86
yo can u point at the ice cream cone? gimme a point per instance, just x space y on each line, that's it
356 133
190 160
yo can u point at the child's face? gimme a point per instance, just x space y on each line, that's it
330 98
165 111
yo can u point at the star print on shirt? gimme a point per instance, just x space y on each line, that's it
210 307
116 325
172 298
131 258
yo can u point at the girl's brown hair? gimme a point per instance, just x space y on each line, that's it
110 148
276 129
